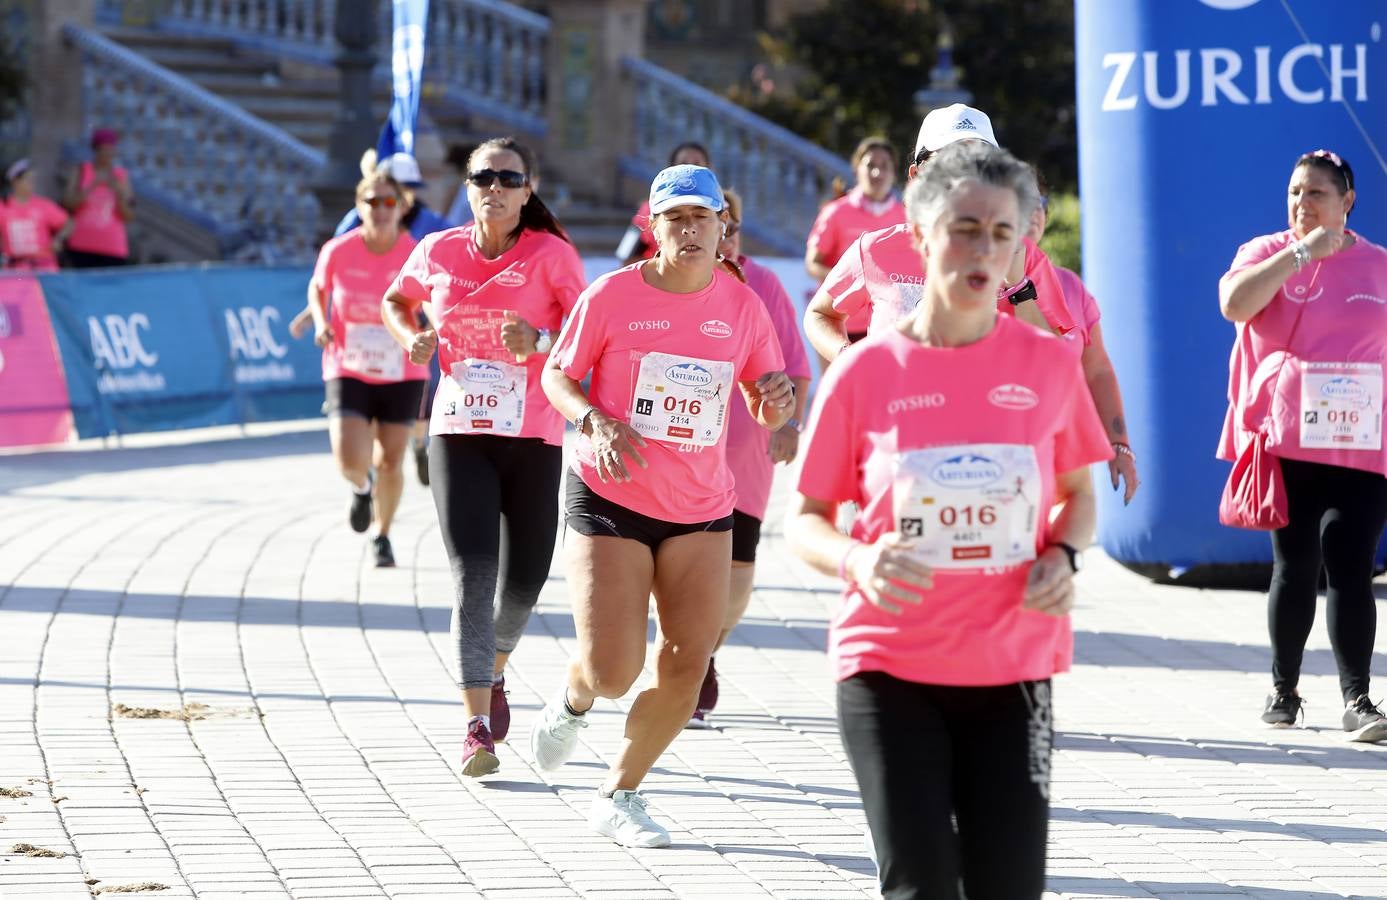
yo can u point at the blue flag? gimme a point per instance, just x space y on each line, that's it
407 70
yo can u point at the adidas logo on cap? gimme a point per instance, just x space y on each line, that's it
965 125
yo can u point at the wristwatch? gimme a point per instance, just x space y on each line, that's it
1073 554
793 424
582 418
544 341
1023 293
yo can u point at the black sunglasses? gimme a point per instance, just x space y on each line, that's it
509 178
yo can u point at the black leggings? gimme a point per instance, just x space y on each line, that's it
1336 519
928 756
498 510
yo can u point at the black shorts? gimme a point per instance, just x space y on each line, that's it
855 336
746 534
390 404
588 513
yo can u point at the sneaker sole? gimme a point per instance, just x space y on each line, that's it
1371 733
698 724
483 762
654 842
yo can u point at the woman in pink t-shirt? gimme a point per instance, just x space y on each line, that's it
32 227
1310 305
871 205
102 202
373 389
497 290
638 242
670 345
964 438
753 451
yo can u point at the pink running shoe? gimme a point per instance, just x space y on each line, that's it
479 751
500 711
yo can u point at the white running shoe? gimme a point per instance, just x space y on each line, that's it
555 735
622 817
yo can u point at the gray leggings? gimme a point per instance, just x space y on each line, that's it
498 511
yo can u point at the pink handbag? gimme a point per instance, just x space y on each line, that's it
1255 495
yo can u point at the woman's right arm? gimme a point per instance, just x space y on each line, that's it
612 439
401 318
1245 293
317 308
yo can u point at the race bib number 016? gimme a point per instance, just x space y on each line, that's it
371 351
1341 406
681 400
969 506
481 396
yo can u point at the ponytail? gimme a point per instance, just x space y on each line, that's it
731 266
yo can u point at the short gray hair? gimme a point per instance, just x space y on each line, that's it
927 195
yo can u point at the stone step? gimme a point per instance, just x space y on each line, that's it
191 62
142 40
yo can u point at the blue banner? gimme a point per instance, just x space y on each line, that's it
407 77
157 349
1191 115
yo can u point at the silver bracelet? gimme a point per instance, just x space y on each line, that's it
1300 256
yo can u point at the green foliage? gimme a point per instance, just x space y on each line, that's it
13 82
1061 241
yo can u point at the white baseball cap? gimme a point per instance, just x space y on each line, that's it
955 122
403 168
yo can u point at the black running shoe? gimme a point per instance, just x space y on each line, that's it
1282 709
421 464
385 556
1363 721
359 513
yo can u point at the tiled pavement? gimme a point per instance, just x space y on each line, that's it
322 759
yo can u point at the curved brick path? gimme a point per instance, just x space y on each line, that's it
315 752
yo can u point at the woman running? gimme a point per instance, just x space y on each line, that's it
649 500
964 437
499 289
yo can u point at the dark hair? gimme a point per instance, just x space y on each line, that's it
459 155
690 145
1330 162
534 215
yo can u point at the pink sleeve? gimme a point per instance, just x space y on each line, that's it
322 271
1253 252
829 451
846 283
1082 440
567 277
823 237
765 349
413 281
1049 296
57 216
1091 311
786 324
580 342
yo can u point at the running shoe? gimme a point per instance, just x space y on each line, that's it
622 817
1283 709
1364 721
698 720
500 710
555 735
359 514
479 751
708 693
421 465
384 553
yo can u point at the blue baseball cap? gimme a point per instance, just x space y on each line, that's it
685 186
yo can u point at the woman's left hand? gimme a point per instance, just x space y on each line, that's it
784 444
776 389
518 335
1050 584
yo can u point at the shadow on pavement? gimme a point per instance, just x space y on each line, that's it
1285 751
1311 831
1081 886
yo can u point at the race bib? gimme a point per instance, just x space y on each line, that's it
681 400
969 506
481 396
370 350
1341 406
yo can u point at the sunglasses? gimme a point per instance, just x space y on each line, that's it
378 202
509 178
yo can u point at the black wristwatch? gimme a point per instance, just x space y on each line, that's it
1071 552
1025 292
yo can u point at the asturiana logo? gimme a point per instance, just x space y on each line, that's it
689 375
484 373
967 470
510 278
1345 389
1012 396
716 328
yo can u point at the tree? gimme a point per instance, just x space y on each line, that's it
862 61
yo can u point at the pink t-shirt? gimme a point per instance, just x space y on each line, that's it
668 363
353 280
539 279
96 225
881 270
1083 308
27 230
843 221
1322 412
748 442
889 395
641 220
